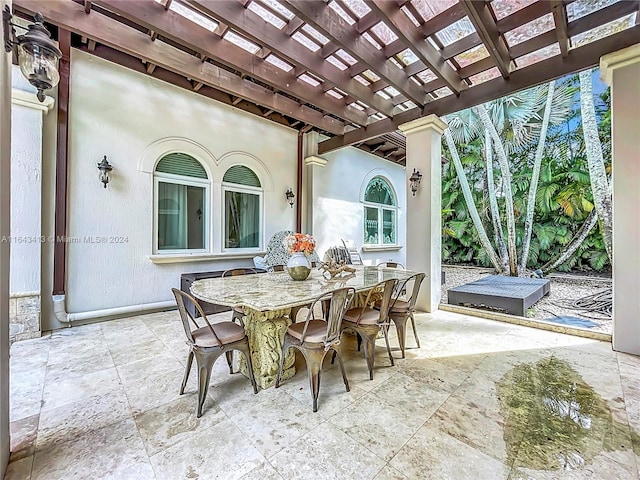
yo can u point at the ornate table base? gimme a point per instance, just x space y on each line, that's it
266 336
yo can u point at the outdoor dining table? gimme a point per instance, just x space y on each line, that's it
267 301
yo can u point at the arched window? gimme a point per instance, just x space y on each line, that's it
181 188
380 213
242 214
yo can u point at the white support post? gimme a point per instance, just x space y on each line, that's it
424 211
312 162
5 231
621 71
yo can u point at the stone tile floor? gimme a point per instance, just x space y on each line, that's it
480 400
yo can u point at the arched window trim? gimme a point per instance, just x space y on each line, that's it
381 208
389 187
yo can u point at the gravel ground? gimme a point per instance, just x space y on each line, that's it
564 290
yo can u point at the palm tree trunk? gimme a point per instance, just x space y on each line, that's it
508 195
535 175
595 161
471 206
575 242
493 203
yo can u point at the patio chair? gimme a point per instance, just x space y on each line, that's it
207 343
315 337
354 255
367 322
401 308
391 265
238 313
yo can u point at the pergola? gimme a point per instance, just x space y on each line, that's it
356 73
353 70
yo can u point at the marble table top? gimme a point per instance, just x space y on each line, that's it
276 290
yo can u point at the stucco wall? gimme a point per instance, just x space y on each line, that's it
133 118
26 174
338 209
120 113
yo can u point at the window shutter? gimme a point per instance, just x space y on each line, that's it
241 175
181 164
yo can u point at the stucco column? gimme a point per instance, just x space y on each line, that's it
424 211
5 226
312 162
621 71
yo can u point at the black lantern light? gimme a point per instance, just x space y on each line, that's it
290 196
38 54
105 167
414 181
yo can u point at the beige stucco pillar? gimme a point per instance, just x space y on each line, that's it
5 226
424 212
621 71
312 162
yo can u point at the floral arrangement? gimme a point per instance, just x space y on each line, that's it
299 242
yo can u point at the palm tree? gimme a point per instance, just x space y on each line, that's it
471 206
599 183
503 161
575 242
491 191
535 175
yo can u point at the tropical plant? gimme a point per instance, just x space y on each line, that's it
544 184
506 126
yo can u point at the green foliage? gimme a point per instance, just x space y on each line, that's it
563 199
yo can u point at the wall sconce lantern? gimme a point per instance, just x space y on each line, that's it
105 167
290 196
414 181
38 54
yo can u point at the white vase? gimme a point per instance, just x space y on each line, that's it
298 266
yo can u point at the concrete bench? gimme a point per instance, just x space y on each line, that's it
513 295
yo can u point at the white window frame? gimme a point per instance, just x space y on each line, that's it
235 187
380 207
190 182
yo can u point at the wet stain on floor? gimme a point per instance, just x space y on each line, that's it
554 420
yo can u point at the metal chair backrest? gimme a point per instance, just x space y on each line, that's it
238 271
338 304
413 282
387 287
187 319
340 301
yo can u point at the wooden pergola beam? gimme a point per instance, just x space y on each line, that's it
413 38
482 20
120 37
257 30
560 21
173 26
522 16
331 25
581 58
578 26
